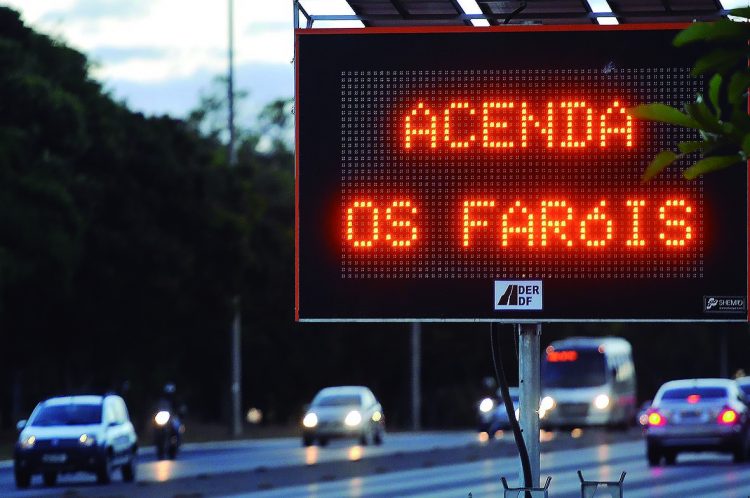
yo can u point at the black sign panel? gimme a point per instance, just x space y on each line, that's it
495 174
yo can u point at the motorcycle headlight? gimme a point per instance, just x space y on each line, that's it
87 440
310 420
353 418
486 405
162 417
28 442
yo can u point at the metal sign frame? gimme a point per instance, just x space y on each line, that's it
335 302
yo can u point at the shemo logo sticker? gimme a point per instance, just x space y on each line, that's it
518 294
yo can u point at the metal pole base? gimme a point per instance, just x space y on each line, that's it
589 489
531 492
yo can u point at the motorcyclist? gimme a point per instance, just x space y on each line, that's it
168 427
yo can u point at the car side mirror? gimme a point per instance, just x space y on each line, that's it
21 425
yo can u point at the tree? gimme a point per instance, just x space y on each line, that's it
721 115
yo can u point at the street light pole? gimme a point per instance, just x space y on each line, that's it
236 357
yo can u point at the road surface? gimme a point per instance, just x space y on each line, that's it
434 465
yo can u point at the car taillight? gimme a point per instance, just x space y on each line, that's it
656 419
728 417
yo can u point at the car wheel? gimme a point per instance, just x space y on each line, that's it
378 438
49 478
172 452
653 455
23 479
323 441
307 441
104 471
670 457
128 470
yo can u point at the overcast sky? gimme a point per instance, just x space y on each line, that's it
158 55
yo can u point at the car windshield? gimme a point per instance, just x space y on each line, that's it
338 400
695 394
745 389
579 368
73 414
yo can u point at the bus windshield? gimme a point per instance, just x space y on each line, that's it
577 368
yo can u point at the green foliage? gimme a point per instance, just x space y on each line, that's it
124 239
722 118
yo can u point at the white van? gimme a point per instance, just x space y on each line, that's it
588 381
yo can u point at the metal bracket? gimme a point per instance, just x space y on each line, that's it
531 492
612 489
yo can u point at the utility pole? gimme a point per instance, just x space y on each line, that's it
236 357
416 376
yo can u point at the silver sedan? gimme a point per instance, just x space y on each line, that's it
698 415
341 412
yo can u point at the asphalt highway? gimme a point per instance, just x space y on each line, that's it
426 464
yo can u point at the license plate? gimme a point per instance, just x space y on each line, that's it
54 458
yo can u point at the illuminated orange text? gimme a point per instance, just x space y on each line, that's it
363 223
559 220
511 124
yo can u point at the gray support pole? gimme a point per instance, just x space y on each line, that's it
529 376
236 384
416 376
231 152
236 372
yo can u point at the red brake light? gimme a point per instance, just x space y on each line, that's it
693 398
728 417
655 419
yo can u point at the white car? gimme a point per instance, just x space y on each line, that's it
346 411
698 415
76 434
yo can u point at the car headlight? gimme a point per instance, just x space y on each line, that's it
377 416
28 442
162 417
353 418
87 440
601 401
547 403
486 405
310 420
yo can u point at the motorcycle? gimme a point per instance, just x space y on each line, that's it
167 430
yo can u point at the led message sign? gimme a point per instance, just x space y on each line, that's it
496 175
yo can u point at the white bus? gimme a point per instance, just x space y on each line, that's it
588 381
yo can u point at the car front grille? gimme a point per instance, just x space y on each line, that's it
57 444
573 409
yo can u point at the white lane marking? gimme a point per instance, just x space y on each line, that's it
391 481
452 479
396 483
725 481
